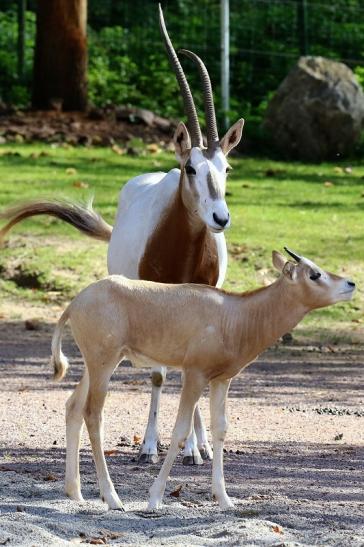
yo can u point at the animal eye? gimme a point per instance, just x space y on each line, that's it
190 170
228 169
315 276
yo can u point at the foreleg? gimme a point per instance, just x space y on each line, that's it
193 385
93 414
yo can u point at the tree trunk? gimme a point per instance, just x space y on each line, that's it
60 60
21 38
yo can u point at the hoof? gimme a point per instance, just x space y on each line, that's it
148 458
154 505
205 454
74 494
192 460
113 502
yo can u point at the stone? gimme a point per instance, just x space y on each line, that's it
317 112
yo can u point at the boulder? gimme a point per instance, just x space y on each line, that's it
317 112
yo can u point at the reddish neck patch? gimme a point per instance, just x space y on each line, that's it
176 253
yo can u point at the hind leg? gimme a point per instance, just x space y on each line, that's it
201 433
93 414
74 426
197 447
149 448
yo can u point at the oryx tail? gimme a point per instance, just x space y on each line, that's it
82 217
58 360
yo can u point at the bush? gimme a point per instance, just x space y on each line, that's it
11 89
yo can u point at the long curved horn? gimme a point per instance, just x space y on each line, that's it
211 126
189 106
293 255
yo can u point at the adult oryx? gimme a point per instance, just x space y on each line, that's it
169 226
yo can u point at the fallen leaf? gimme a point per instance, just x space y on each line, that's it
153 148
348 170
80 184
338 437
176 492
71 171
338 170
50 477
277 529
118 150
328 183
137 439
112 452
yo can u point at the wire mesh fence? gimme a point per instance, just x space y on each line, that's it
266 39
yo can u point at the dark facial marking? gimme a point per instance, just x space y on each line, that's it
212 186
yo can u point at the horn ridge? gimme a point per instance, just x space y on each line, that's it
293 255
189 106
210 116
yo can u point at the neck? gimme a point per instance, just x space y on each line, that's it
265 315
181 249
185 202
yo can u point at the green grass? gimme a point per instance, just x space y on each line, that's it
316 210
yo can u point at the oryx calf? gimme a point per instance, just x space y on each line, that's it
208 333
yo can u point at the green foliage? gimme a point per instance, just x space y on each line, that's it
128 64
11 90
111 71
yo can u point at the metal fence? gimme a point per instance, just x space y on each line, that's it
266 36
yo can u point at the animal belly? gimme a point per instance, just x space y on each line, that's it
141 361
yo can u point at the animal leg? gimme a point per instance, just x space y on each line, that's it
201 433
191 453
93 414
193 385
149 449
219 424
74 426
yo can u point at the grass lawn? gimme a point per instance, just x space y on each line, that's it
317 210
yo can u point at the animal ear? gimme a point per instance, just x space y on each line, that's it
181 140
232 137
290 271
278 261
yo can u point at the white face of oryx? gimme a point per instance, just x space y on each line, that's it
206 180
204 174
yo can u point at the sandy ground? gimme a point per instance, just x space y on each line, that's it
294 461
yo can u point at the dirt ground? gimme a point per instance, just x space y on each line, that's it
293 466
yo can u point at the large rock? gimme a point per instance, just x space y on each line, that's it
317 112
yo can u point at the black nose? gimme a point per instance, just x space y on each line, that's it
220 221
351 283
